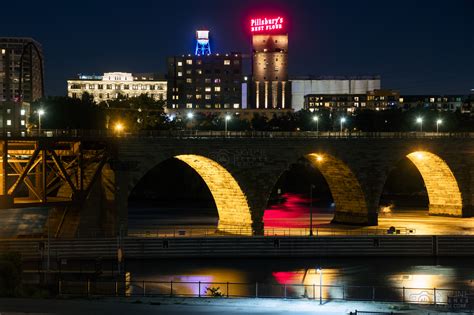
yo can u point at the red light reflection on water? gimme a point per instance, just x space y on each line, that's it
291 213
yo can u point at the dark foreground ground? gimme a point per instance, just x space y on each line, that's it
203 306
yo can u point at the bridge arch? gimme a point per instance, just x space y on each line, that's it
349 198
231 203
442 187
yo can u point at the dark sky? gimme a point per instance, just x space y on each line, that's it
416 46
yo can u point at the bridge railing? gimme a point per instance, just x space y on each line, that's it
238 232
196 134
309 290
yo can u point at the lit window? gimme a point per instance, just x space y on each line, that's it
199 62
189 61
189 80
236 105
22 122
189 71
144 87
189 105
432 99
207 80
3 51
198 96
208 96
180 74
22 112
400 99
180 63
227 62
199 71
208 89
9 122
9 111
217 88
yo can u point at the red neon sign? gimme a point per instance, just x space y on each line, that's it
266 24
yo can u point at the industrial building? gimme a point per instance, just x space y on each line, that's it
303 86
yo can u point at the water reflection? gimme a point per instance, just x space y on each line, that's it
382 278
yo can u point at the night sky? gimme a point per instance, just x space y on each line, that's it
416 46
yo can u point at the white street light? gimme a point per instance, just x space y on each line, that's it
226 119
316 119
320 271
190 116
438 122
343 120
40 113
419 120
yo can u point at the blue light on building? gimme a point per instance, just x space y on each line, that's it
203 46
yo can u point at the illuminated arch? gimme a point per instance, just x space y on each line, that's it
231 203
351 206
443 190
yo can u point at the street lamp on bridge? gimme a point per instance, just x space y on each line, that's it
316 119
226 119
438 122
419 120
343 120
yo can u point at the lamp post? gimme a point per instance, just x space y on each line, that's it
438 122
226 119
343 120
320 271
316 119
419 120
40 113
190 116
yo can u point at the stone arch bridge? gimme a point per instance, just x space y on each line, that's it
242 172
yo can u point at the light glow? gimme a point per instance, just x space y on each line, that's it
118 127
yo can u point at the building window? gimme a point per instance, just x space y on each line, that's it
199 62
144 87
126 87
180 74
22 122
227 62
198 96
9 111
208 89
180 63
208 96
207 80
91 86
189 80
109 86
217 80
22 112
236 105
189 71
9 122
217 88
189 96
189 105
189 61
199 71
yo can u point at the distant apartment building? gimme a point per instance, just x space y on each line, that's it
113 85
21 80
435 102
374 100
212 81
303 86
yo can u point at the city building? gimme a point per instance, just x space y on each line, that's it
303 86
113 85
374 100
212 81
436 102
270 88
21 80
